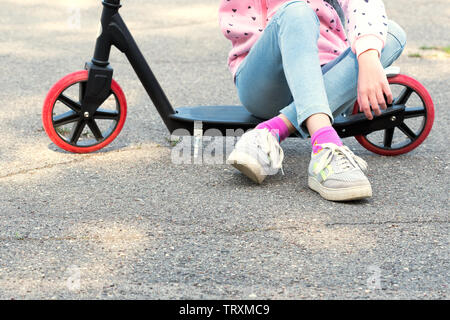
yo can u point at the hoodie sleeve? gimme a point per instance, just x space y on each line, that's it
242 23
366 24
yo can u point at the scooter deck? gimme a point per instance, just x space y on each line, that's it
237 117
216 117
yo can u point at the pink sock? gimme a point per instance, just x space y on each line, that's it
325 135
277 127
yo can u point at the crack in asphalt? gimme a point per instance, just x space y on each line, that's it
173 26
385 222
343 224
81 159
223 232
49 166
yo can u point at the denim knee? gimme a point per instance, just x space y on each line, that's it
397 33
298 11
395 43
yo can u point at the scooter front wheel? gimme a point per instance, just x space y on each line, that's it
69 129
417 123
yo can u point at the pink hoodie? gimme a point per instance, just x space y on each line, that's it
243 21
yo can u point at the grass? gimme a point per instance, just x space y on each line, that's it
19 236
173 141
428 48
445 50
63 131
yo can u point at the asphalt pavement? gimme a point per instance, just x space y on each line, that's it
127 222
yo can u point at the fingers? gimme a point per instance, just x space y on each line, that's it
388 93
376 100
374 104
374 93
364 106
381 100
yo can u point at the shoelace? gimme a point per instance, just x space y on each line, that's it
274 150
345 158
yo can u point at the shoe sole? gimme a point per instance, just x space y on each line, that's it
247 165
341 194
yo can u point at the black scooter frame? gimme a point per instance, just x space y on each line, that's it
114 32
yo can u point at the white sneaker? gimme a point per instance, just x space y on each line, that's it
336 173
257 154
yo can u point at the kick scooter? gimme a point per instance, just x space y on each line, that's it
86 110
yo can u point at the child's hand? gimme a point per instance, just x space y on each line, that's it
372 83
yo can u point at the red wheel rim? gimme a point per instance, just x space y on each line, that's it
417 139
49 120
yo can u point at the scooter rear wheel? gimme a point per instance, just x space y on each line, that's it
419 118
69 129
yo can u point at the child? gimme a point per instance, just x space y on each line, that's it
293 63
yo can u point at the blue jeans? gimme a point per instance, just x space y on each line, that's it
282 71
